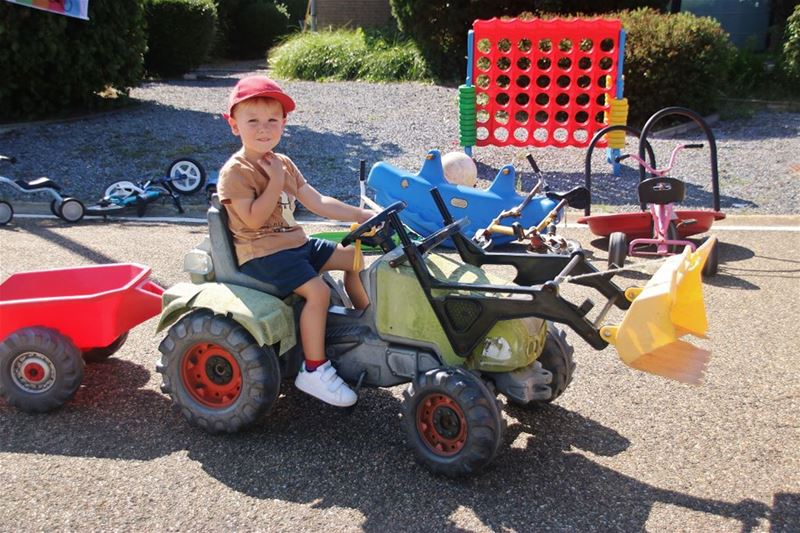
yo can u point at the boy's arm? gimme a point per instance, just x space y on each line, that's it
255 212
328 207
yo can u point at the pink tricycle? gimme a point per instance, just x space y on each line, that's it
51 321
659 193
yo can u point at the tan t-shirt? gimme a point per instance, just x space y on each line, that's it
239 179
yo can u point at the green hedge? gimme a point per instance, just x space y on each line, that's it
180 35
51 63
348 55
671 60
439 27
249 27
790 60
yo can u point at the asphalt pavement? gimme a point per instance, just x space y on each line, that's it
620 450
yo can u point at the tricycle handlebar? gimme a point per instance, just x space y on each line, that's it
662 172
7 159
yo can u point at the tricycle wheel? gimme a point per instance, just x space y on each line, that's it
6 213
71 210
40 369
617 249
452 421
95 355
673 235
187 176
54 208
712 262
218 377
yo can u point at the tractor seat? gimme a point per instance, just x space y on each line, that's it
226 267
662 191
38 183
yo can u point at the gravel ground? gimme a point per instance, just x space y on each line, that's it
619 451
337 124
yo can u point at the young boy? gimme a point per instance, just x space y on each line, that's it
258 187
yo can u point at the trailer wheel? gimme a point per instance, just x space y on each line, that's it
40 369
218 377
617 249
6 212
452 421
95 355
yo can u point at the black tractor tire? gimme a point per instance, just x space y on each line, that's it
95 355
218 377
712 262
452 421
556 358
6 213
617 249
40 369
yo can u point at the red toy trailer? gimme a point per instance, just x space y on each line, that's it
51 320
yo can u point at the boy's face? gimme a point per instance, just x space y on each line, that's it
259 122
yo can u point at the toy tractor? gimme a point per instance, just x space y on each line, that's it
439 323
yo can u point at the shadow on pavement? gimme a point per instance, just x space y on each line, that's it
305 452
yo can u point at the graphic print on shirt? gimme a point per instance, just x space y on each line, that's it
287 209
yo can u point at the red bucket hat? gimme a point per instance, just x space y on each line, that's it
253 86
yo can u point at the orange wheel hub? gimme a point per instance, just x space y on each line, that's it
211 375
441 424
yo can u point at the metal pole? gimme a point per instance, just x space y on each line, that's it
312 8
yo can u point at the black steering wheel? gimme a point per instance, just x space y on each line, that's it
383 233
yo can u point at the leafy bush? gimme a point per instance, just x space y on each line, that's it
671 60
180 34
249 27
51 63
790 60
347 55
439 27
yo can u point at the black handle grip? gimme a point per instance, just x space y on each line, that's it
362 171
437 197
622 158
700 145
11 160
533 163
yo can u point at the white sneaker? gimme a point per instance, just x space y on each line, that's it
326 385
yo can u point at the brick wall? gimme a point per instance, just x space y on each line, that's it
352 13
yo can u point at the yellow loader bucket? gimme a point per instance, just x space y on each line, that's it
667 308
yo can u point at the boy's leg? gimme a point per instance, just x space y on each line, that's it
317 377
342 259
313 317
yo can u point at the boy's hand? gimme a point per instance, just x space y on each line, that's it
274 168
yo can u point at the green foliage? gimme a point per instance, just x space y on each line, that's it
439 27
671 60
180 34
790 61
51 63
249 27
348 55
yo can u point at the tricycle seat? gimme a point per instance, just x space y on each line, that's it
226 266
662 191
37 184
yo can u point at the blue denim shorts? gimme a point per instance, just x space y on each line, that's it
289 269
